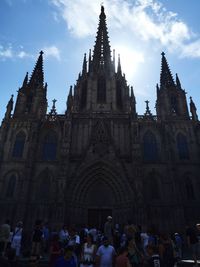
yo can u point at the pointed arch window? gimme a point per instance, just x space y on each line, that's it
44 185
150 149
182 146
49 146
101 90
11 186
189 188
18 148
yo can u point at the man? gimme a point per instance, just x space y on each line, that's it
4 236
105 254
67 260
193 243
108 229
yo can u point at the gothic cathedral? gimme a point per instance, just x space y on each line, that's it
100 158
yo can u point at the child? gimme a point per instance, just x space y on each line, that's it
154 258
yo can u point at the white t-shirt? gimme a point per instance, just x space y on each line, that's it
145 240
106 255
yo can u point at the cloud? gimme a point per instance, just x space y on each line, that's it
6 52
52 51
147 21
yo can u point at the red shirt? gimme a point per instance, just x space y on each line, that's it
121 261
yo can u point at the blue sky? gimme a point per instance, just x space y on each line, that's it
65 29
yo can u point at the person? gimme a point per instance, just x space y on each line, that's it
193 243
122 259
37 239
88 252
108 229
17 238
46 237
166 251
93 231
105 255
55 250
67 260
154 258
74 242
63 236
178 245
134 255
4 237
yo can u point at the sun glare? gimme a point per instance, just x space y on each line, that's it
130 60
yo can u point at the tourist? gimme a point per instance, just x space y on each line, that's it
46 237
17 238
108 229
74 242
37 239
122 260
88 252
178 245
105 254
154 258
93 231
193 243
134 255
166 251
64 236
55 250
4 237
67 260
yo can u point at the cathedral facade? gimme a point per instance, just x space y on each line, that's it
100 158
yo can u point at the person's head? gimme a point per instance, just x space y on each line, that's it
198 226
109 218
20 224
105 241
68 252
89 238
151 250
72 231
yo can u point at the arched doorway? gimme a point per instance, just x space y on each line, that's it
100 200
98 191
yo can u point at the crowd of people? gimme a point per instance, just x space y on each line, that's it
113 246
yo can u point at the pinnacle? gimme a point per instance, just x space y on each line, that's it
166 79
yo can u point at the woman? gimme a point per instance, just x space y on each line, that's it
16 238
134 255
88 252
55 250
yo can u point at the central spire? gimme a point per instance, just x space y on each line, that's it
102 53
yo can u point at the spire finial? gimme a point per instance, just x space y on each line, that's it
102 53
37 77
148 111
166 79
53 112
